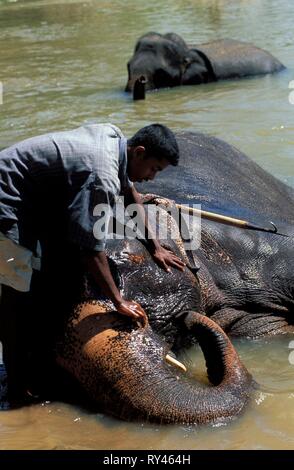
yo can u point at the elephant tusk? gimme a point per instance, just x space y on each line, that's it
176 363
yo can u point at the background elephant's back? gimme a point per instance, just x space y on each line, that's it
233 59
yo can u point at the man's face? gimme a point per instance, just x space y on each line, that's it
143 168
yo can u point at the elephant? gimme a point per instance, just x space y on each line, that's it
241 281
161 61
237 282
124 368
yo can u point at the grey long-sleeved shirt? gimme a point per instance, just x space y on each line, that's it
61 176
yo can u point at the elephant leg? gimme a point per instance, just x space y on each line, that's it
252 325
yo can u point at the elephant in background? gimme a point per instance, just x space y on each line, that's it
161 61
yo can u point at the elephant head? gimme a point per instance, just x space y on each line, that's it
123 367
164 61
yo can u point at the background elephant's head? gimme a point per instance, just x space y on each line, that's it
165 61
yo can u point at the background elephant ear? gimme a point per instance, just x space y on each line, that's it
197 69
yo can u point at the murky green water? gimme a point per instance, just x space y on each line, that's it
64 63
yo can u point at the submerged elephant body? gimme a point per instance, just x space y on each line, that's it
167 61
245 285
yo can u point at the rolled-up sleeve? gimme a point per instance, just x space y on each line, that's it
89 212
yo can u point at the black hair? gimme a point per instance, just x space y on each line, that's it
159 142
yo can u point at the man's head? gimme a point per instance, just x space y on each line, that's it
150 150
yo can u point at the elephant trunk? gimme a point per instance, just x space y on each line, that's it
124 370
139 88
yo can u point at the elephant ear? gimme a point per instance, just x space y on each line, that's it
197 69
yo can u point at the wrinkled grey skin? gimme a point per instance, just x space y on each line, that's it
167 61
246 277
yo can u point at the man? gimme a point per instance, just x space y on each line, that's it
49 188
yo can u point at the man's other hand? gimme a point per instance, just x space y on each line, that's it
166 258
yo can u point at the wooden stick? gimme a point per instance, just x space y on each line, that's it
223 219
213 216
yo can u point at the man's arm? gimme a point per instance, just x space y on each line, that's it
97 264
164 258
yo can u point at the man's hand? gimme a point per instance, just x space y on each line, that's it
166 258
97 264
132 309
